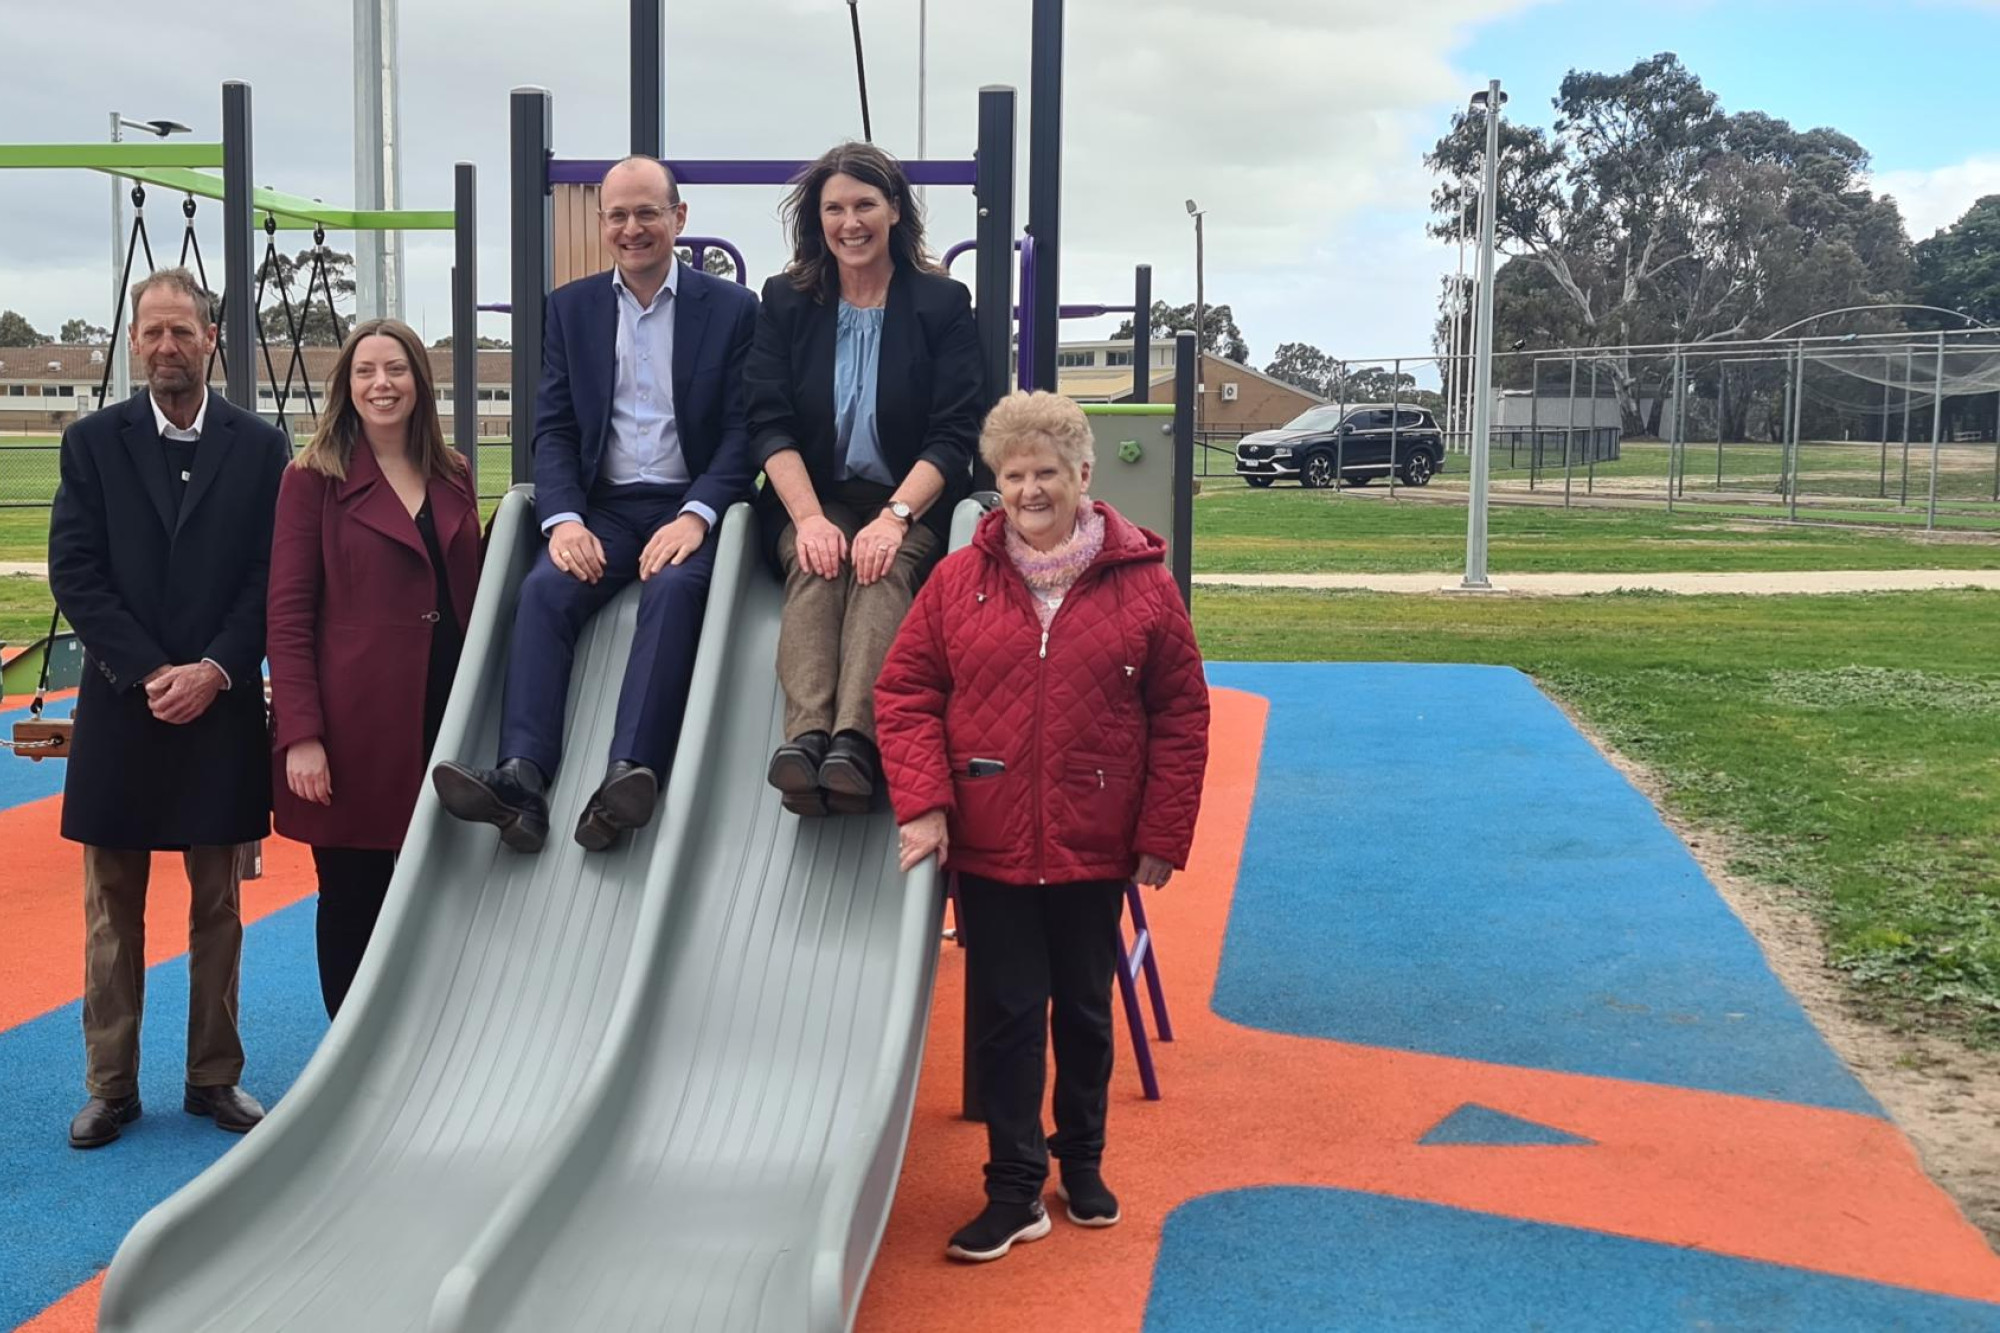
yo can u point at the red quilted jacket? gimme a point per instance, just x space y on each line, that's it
1102 724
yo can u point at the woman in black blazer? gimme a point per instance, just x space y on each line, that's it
866 393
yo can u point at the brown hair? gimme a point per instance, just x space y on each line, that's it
817 272
332 445
180 280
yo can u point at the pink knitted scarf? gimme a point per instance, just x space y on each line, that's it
1051 574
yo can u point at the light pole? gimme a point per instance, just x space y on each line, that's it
121 365
1200 313
1490 102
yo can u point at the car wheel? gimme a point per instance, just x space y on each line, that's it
1317 472
1419 470
1258 483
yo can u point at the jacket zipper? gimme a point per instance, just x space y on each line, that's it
1041 698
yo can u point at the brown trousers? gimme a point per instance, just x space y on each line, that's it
835 632
114 966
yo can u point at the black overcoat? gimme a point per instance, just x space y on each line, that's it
146 585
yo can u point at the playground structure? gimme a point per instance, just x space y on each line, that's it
542 1059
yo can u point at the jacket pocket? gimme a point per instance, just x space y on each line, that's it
985 806
1100 803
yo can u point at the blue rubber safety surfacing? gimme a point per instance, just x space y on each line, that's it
1289 1258
1476 1126
1438 861
64 1212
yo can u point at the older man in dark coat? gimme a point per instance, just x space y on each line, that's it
158 547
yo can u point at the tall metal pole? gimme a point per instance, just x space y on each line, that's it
378 169
1142 334
1045 116
1569 435
1909 387
1395 417
1721 415
1882 482
465 316
121 359
1996 447
530 132
923 80
239 316
993 250
1180 552
1482 373
1200 318
1798 415
1937 434
649 77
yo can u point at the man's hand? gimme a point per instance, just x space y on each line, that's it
1153 871
875 548
575 550
179 695
306 773
821 547
672 544
922 836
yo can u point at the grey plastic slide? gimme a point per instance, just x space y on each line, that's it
668 1086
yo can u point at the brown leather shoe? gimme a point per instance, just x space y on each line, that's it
229 1106
101 1120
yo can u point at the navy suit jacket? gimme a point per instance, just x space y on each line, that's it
714 321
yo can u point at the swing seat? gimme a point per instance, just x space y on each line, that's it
42 738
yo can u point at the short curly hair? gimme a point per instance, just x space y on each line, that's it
1023 420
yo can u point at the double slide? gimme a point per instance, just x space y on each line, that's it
665 1086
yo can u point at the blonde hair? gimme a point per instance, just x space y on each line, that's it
1023 420
332 445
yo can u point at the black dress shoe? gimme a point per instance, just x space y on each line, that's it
625 800
850 773
101 1120
795 765
512 798
228 1106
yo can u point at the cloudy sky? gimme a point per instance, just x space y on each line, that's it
1297 124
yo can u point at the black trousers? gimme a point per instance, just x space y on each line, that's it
353 881
1040 960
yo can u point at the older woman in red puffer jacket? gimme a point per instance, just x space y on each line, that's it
1043 722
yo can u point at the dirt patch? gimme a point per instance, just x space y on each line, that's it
1944 1096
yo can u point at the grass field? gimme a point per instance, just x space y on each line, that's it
1848 743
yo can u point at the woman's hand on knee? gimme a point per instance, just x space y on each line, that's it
922 836
821 546
875 548
306 773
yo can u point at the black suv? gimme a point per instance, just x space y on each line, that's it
1320 444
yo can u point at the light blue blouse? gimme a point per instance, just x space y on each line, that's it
857 356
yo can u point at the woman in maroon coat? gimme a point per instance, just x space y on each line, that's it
373 570
1043 721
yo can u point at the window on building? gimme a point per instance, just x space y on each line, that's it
486 395
1073 360
67 390
17 391
1117 358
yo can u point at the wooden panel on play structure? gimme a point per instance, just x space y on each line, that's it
42 738
576 245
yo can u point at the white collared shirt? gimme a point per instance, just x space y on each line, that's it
168 430
180 434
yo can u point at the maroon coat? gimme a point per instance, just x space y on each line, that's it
350 615
1102 723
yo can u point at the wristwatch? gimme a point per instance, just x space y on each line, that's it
900 510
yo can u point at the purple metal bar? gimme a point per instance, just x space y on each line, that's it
1142 1053
1148 957
772 171
1024 345
499 307
698 244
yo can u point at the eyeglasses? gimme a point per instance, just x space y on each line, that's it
646 215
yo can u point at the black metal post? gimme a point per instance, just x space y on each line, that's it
1142 334
1180 545
993 239
531 133
465 315
649 77
1045 182
239 223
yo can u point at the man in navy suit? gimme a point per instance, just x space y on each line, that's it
640 446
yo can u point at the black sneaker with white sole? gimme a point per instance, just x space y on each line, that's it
991 1234
1090 1203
